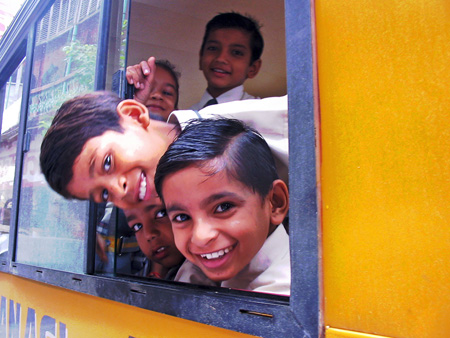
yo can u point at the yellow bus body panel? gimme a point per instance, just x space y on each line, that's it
89 316
384 84
336 333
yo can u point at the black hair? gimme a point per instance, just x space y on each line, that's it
76 122
171 69
238 21
235 147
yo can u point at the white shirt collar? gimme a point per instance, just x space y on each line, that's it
237 93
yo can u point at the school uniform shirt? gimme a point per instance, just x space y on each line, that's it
235 94
269 116
269 271
147 268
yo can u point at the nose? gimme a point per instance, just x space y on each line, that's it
156 95
117 188
203 233
150 232
222 56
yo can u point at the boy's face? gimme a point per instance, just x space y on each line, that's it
163 97
225 60
119 167
219 224
154 233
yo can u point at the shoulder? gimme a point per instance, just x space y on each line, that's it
276 278
190 273
247 96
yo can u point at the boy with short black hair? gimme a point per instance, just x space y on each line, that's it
226 203
104 149
230 54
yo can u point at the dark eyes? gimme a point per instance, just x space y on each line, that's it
105 195
168 93
160 214
221 208
224 207
136 227
107 163
237 53
181 218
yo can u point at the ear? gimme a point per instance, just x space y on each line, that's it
279 199
135 110
254 69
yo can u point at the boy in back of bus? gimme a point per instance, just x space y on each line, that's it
222 193
230 54
154 235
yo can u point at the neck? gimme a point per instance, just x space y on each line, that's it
167 131
216 92
272 229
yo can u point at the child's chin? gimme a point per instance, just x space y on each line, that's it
218 278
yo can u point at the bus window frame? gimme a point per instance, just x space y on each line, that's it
252 313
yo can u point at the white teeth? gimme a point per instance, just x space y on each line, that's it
142 188
217 254
160 249
219 71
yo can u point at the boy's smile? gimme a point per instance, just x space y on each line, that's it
219 224
119 167
226 60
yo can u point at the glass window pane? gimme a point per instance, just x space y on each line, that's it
117 251
117 45
11 96
51 230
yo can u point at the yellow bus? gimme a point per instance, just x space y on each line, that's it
368 85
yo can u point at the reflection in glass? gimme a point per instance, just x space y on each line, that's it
51 230
11 96
117 251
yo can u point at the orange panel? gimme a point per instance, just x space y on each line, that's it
89 316
384 83
336 333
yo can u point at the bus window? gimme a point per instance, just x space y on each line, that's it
51 230
158 28
54 238
11 98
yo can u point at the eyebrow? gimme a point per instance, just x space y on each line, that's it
218 196
232 45
208 200
146 209
239 45
174 207
130 218
92 164
170 85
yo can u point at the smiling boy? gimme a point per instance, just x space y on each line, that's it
230 54
104 149
222 193
154 235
